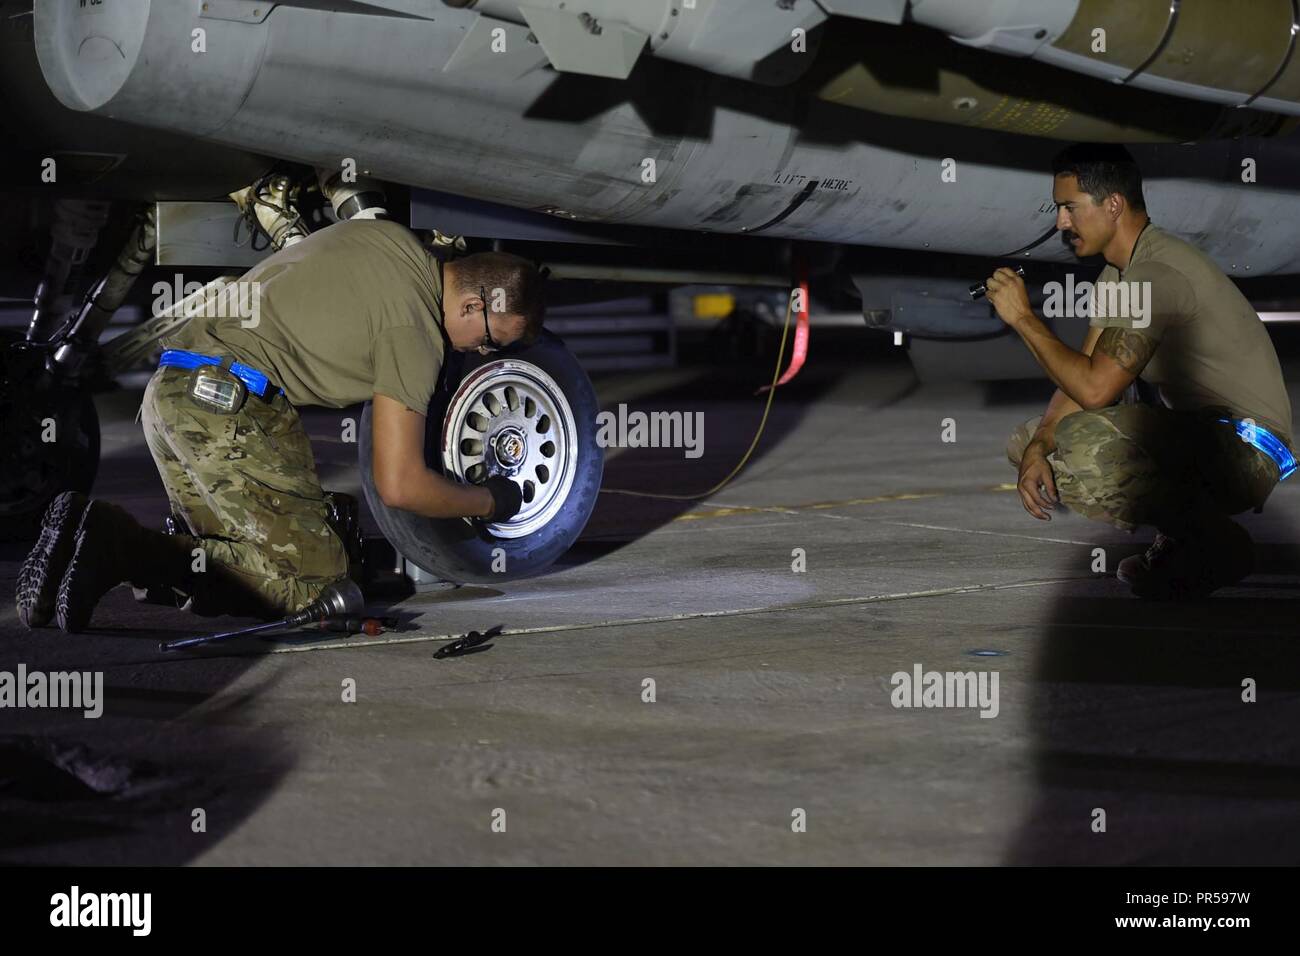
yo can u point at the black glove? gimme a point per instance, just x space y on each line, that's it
507 498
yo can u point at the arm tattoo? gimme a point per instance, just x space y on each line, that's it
1130 349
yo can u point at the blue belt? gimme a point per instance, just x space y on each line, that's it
1263 439
256 381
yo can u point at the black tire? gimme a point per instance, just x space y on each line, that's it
34 472
466 551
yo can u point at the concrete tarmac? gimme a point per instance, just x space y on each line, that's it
770 619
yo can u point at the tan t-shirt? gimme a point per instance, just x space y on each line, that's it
353 309
1213 349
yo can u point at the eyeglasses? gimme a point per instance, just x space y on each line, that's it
488 345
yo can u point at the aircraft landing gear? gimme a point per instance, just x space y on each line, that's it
49 428
50 436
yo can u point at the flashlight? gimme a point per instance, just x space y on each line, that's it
979 289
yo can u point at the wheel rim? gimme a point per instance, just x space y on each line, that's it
511 418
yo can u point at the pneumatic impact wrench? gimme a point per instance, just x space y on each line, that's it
340 599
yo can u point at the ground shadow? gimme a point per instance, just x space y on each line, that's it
168 769
1137 711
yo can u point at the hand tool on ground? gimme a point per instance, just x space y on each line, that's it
340 599
472 639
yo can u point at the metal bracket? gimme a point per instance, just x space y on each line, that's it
579 43
880 11
477 53
236 11
202 234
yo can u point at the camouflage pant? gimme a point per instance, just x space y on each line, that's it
246 485
1133 465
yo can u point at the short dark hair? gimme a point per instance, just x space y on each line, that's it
1102 169
520 281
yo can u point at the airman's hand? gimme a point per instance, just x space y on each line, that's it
1037 484
507 498
1008 295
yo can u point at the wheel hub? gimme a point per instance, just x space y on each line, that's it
510 447
511 418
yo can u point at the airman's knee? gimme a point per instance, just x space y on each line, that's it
1076 431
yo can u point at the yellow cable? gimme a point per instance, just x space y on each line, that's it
771 394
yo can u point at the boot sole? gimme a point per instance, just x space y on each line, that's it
69 607
41 573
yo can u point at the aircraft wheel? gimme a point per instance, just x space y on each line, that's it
530 415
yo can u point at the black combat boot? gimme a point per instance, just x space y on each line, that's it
111 548
345 518
1148 574
39 577
173 524
1191 563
